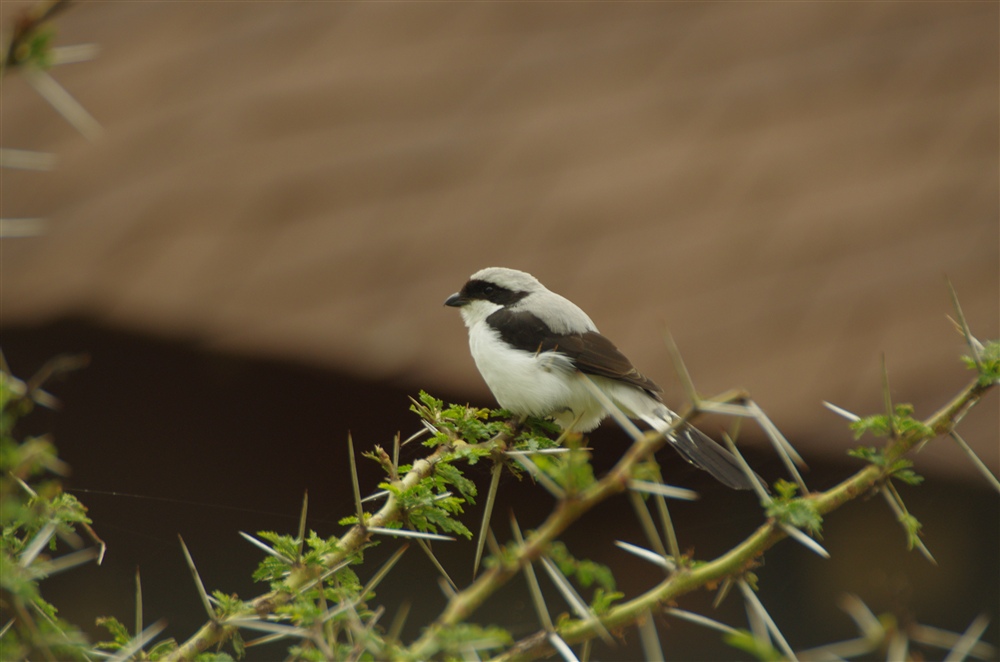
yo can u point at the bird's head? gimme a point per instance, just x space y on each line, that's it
488 290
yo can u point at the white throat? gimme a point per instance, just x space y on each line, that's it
476 312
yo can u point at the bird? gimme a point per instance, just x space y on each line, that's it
530 344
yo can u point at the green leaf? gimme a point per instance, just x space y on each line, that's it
214 657
602 601
912 526
285 545
429 407
586 572
868 454
786 489
162 649
456 638
36 50
901 422
897 469
319 547
989 363
120 636
908 476
238 647
227 604
571 471
798 512
452 476
901 469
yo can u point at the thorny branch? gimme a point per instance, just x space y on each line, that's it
730 565
24 28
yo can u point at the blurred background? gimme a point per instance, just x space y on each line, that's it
254 244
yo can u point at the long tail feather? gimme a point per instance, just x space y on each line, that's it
700 450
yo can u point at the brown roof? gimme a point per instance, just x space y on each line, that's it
784 184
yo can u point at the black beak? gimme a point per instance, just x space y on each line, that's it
456 300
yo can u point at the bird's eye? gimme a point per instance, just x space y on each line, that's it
488 289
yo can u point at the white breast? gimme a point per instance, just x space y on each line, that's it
542 384
523 383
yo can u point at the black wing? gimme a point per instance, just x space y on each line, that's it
590 352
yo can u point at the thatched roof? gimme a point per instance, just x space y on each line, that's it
785 185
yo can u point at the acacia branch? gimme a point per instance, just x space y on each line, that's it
742 557
464 603
215 632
